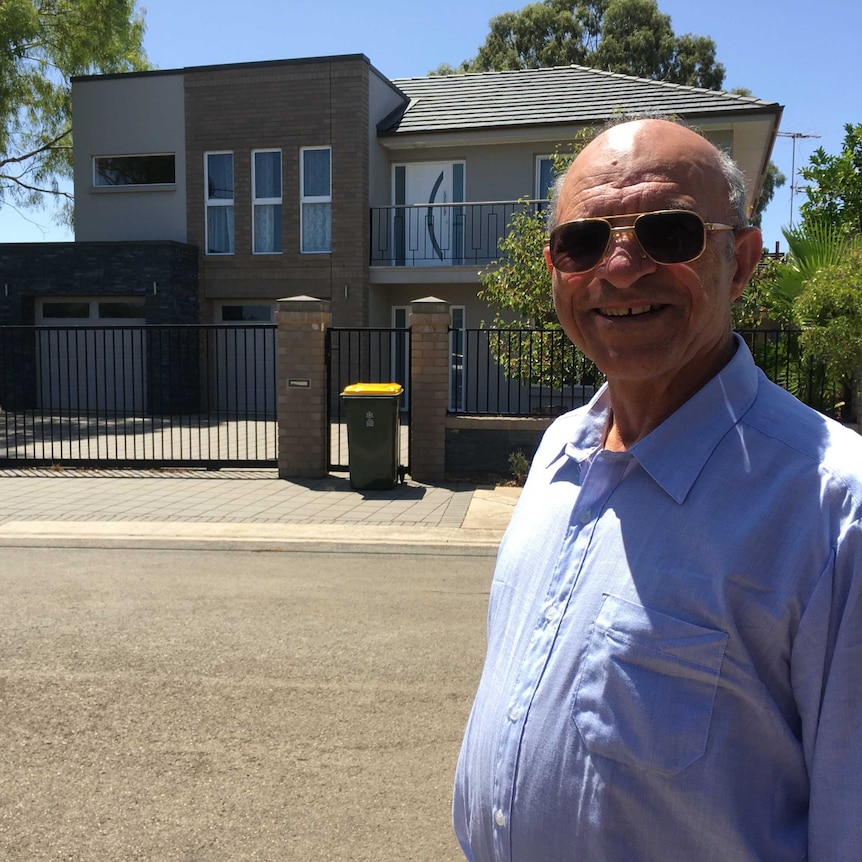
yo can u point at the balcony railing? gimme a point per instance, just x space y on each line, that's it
452 234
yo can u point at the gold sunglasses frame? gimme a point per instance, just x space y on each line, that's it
708 227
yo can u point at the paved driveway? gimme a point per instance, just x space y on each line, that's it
233 705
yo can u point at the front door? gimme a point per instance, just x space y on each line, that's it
428 223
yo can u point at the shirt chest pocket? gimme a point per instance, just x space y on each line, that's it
644 693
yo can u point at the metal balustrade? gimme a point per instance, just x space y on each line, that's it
451 234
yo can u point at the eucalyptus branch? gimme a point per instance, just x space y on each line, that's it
48 145
19 182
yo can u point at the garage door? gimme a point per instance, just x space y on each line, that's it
245 358
91 354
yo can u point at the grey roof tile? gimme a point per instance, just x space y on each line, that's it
558 95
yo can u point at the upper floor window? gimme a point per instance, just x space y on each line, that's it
316 199
143 170
266 200
544 177
219 203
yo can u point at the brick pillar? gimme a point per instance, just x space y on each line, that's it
302 387
429 397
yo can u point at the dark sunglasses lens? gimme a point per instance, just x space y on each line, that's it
578 246
675 237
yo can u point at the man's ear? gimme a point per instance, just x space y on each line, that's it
749 247
547 252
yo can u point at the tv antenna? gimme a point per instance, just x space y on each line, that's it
795 136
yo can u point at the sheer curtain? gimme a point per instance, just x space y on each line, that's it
220 238
316 200
267 197
220 221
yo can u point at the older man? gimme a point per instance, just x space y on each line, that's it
674 664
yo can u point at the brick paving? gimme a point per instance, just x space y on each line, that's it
235 495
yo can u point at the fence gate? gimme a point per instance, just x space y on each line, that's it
141 396
365 356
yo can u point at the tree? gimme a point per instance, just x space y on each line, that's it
813 290
43 43
835 193
811 246
628 36
519 282
526 340
773 179
637 39
829 309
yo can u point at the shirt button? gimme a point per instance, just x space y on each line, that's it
499 818
515 713
586 516
551 613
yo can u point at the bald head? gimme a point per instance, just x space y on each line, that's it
640 150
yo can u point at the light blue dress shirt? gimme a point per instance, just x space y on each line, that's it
674 665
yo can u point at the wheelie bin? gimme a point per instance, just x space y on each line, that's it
373 434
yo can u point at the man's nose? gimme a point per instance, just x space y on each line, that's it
624 261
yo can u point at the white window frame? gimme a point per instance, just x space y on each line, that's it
538 182
218 202
256 201
313 199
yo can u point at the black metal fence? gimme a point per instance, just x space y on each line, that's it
192 395
778 353
530 372
442 234
365 356
518 372
138 395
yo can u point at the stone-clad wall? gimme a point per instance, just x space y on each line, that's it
164 273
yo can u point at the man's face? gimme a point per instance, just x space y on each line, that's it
638 320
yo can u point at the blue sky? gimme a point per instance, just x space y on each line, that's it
802 55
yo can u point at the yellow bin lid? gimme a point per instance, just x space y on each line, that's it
373 389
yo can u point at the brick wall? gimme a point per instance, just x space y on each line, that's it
477 445
429 375
285 105
301 398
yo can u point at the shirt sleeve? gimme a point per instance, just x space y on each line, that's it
826 675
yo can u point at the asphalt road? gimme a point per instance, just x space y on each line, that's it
233 705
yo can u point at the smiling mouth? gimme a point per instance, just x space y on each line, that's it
634 311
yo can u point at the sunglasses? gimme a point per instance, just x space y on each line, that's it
666 236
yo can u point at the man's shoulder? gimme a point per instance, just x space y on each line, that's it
805 433
570 425
577 427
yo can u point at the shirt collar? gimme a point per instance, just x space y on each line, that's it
675 453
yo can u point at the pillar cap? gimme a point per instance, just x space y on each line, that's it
429 305
303 303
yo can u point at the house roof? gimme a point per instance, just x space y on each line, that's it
549 96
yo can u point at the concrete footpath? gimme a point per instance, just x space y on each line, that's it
245 508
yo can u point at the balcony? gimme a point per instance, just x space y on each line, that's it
440 235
